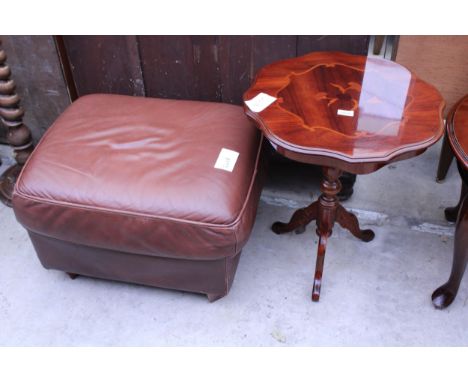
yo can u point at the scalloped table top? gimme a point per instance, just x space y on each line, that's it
353 109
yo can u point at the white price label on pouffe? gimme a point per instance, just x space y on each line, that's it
226 160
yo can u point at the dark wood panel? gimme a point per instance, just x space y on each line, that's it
39 82
208 68
213 68
347 44
66 68
268 49
235 57
105 64
181 67
166 62
206 76
242 56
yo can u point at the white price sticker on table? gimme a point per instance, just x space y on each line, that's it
347 113
226 160
260 102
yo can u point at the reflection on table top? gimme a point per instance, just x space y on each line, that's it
350 107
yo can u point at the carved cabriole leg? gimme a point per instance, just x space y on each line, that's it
350 222
445 294
19 135
298 221
328 204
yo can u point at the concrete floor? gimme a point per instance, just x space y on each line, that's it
373 294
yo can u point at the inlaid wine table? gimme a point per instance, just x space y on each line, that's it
345 113
457 136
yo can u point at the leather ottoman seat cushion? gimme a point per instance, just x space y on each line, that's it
137 175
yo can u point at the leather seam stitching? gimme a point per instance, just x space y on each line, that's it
154 217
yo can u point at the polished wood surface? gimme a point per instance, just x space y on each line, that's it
395 115
457 131
457 136
456 145
345 113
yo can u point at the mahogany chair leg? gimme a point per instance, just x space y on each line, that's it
350 222
298 221
378 43
73 276
445 160
445 294
451 213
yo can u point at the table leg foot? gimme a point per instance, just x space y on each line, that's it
451 214
322 246
73 276
300 229
298 221
212 297
7 184
444 295
350 222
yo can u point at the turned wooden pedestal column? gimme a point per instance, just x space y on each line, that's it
19 135
326 211
344 113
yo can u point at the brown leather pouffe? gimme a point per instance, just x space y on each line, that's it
125 188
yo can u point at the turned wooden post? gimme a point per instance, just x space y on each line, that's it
326 211
19 135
